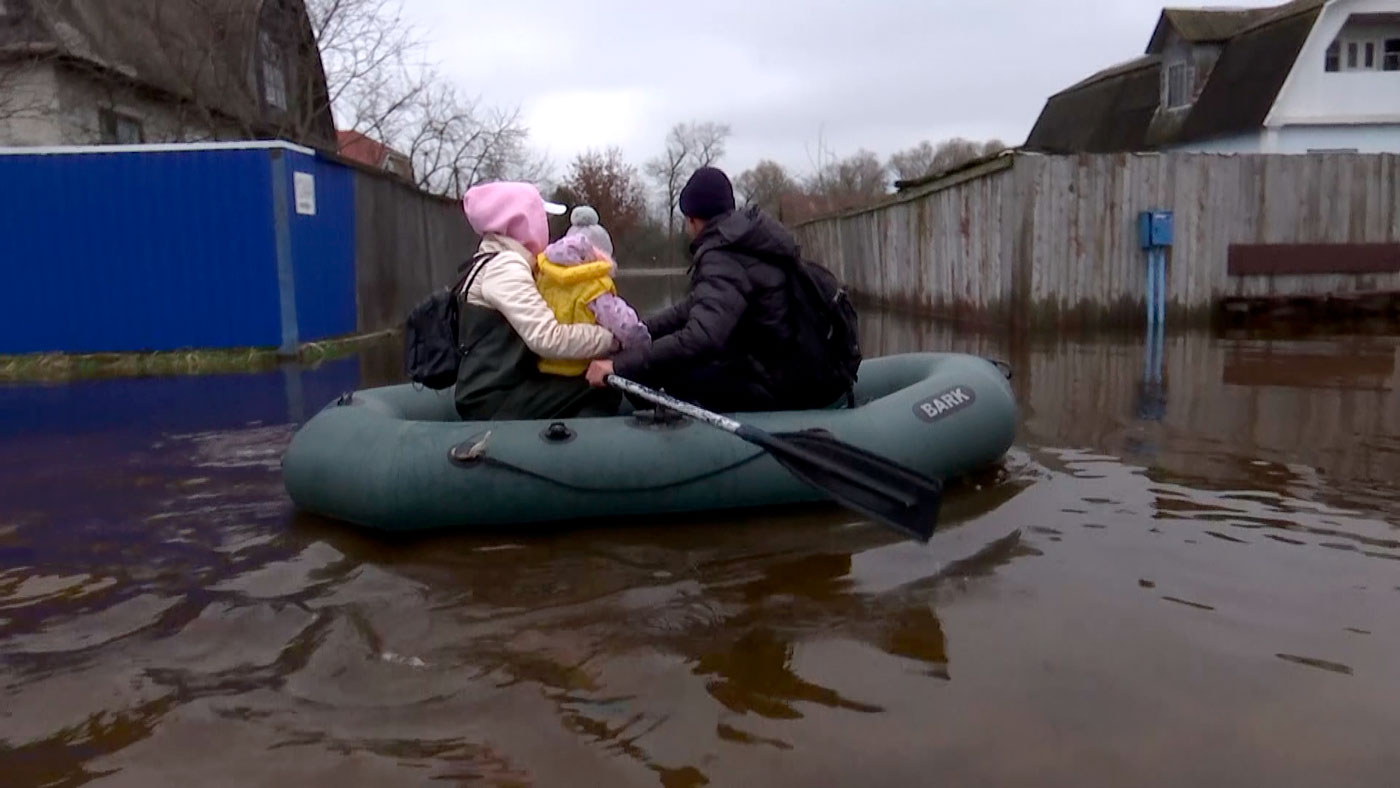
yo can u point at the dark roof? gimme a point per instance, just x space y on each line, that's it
1202 26
1217 25
1110 111
1117 108
1121 69
1249 74
196 50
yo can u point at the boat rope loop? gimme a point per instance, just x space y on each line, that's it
475 454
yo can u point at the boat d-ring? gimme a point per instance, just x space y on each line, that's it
469 451
1002 367
558 432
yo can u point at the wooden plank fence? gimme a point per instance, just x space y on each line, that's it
1028 239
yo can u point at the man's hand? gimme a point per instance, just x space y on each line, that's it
598 372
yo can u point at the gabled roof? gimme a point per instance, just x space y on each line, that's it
1117 108
1202 26
1109 111
196 50
1127 67
1217 25
1249 74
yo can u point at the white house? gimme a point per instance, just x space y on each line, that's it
1308 75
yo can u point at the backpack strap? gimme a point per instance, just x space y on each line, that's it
477 263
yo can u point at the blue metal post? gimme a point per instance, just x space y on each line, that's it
1161 286
286 272
1154 236
1151 287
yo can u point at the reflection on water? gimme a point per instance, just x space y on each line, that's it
1186 571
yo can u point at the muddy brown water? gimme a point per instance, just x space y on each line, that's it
1205 590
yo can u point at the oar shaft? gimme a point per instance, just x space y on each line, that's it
714 419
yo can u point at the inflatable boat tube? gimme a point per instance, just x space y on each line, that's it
397 458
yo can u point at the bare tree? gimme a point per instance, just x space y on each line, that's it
614 189
668 171
953 153
766 185
370 55
707 141
378 85
455 143
366 48
689 146
924 159
915 162
858 179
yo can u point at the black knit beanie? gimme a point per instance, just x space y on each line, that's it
707 194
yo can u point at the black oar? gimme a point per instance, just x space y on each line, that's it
875 486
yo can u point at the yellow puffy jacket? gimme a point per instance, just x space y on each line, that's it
568 289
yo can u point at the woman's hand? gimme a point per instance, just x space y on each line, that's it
598 372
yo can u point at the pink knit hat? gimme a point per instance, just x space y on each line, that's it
515 210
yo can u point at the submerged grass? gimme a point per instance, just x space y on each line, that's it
64 367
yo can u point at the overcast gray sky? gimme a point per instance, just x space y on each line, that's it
882 75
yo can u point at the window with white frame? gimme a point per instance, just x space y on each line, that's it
274 71
1363 54
1177 87
1333 59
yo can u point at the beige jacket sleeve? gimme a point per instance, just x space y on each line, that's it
507 285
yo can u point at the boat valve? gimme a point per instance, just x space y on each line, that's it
558 432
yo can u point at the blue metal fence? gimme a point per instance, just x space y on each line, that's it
167 247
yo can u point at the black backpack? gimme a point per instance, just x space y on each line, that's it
431 351
828 335
827 328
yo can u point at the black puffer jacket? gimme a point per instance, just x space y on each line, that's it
736 315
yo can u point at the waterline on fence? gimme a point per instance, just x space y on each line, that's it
64 367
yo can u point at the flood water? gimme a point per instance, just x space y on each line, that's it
1182 574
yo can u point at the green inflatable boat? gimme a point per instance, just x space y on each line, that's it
397 458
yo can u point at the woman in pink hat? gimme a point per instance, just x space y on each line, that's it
506 326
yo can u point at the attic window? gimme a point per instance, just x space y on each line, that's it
1178 85
1362 54
274 71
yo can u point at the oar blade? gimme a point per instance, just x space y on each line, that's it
914 511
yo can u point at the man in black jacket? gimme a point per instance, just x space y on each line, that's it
727 345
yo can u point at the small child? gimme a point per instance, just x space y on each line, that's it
575 278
